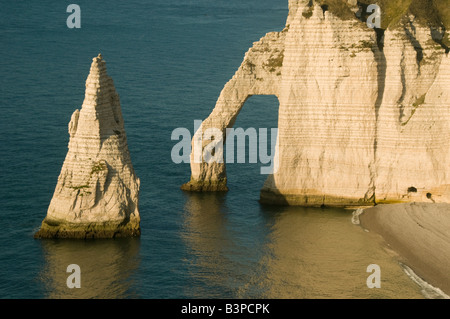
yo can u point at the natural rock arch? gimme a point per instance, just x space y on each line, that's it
359 122
259 74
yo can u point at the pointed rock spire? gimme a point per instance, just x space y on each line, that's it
97 191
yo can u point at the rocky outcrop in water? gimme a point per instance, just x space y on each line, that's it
364 114
97 191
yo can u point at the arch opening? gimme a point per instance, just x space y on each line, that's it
255 124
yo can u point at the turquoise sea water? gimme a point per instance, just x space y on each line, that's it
169 61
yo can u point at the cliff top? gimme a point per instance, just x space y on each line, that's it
433 12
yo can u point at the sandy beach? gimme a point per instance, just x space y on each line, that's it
419 233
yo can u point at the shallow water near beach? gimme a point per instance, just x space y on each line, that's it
169 62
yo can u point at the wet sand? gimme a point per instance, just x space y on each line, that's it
419 233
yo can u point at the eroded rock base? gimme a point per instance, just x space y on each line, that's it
269 197
205 186
54 229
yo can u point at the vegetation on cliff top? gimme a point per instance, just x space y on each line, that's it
434 13
338 7
431 12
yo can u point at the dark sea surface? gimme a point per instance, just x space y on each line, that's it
169 61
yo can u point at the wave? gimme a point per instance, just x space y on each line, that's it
355 216
427 290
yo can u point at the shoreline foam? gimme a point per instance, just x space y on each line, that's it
419 233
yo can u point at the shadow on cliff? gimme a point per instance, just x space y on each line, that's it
380 58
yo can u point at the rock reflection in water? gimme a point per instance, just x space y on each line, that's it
319 253
107 268
208 244
303 253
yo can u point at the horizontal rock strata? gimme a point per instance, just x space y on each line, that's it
364 114
97 191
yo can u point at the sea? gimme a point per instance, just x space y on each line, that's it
169 61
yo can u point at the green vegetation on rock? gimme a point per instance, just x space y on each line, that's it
275 62
80 187
98 167
415 105
419 101
63 229
431 12
363 44
308 13
339 8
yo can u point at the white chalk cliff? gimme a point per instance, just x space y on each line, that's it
97 191
364 114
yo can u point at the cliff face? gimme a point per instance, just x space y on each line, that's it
97 190
364 114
